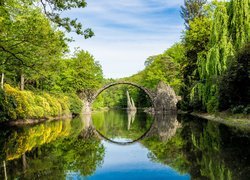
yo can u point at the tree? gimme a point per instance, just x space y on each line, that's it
28 40
234 86
239 22
196 42
82 74
53 9
230 32
216 61
191 10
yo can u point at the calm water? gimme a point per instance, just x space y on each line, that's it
166 147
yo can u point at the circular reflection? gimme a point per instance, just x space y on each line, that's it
127 126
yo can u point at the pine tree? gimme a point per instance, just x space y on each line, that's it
191 10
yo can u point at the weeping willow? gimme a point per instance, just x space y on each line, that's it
229 33
215 61
239 17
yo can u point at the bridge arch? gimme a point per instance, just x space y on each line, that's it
147 91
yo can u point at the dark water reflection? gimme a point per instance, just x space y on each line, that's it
174 148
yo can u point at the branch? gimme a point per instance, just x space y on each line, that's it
15 56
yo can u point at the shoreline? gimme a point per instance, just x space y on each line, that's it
227 119
21 122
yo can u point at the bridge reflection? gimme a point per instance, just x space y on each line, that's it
164 126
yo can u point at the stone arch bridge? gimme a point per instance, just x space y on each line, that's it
163 98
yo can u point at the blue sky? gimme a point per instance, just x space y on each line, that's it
127 32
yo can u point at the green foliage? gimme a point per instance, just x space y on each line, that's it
20 142
169 152
234 87
18 104
51 150
208 141
239 26
122 124
7 105
75 104
115 97
80 75
29 42
176 53
164 67
192 9
219 73
237 109
195 45
53 10
212 104
246 110
31 46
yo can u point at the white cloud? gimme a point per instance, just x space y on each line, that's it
128 31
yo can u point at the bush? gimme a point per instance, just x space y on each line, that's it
246 110
16 104
237 109
213 105
6 103
75 103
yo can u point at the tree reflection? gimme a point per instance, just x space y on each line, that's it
51 151
122 124
202 149
165 142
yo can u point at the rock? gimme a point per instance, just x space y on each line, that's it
166 98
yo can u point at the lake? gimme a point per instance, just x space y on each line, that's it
125 145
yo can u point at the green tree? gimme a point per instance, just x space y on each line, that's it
82 74
239 22
53 9
28 40
196 41
234 86
191 10
216 61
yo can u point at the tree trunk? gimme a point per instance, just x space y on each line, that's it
5 170
25 165
22 82
2 80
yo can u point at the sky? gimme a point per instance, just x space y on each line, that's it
127 32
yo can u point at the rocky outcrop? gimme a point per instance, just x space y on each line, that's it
165 99
130 103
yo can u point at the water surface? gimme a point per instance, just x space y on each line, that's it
174 148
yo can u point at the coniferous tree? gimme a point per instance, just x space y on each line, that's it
191 10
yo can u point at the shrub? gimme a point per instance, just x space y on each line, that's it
16 104
212 105
237 109
246 110
6 103
76 104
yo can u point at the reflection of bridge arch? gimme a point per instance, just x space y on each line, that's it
146 134
147 91
164 126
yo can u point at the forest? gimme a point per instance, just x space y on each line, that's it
209 67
